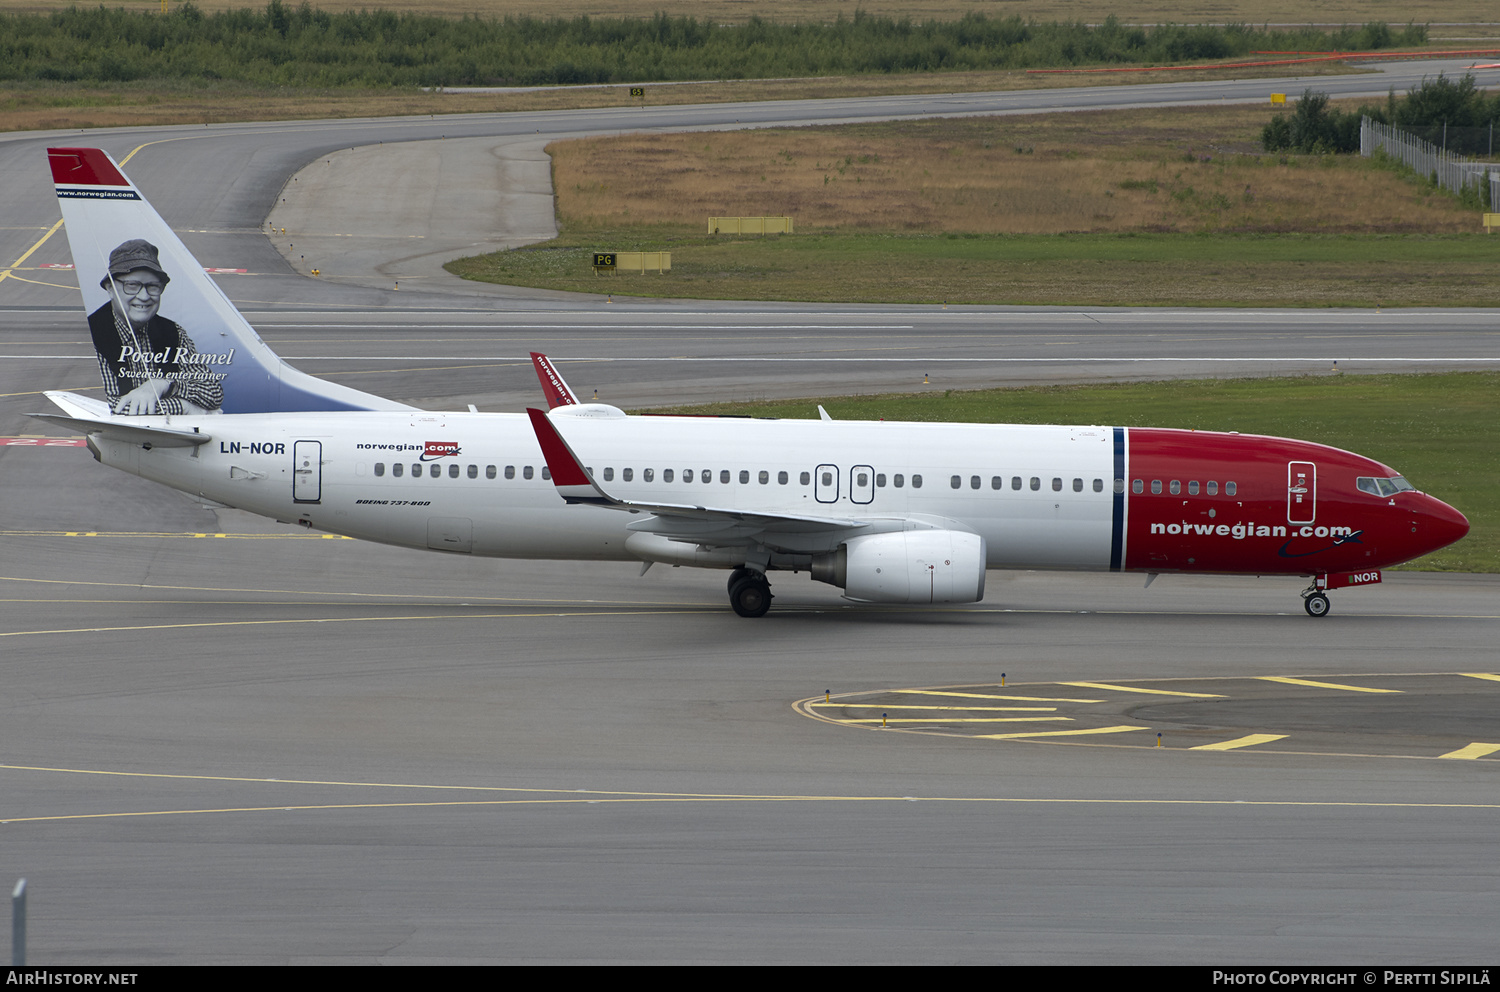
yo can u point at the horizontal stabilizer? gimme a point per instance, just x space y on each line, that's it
133 433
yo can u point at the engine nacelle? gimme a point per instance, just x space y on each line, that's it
914 566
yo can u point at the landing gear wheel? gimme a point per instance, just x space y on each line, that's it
750 596
1316 605
737 575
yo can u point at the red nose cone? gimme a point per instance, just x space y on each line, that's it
1439 524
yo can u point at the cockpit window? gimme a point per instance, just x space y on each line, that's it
1383 487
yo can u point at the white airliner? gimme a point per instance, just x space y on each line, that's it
889 512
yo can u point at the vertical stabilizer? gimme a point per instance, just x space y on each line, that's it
168 339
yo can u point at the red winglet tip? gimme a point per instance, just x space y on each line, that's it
84 167
565 468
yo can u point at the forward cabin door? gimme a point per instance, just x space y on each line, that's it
1301 492
307 471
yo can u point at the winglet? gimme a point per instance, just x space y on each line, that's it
568 474
553 387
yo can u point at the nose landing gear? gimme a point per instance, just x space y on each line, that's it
1316 604
1315 599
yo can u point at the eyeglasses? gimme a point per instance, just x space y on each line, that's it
133 287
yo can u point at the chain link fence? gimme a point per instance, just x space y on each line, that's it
1448 168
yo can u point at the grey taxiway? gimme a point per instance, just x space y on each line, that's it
230 741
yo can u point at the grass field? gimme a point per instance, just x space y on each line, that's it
1437 430
1090 11
1151 207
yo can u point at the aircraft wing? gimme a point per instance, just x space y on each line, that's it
679 521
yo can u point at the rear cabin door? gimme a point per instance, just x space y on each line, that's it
307 471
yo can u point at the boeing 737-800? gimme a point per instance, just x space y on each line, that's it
889 512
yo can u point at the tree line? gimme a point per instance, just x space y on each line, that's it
303 46
1450 113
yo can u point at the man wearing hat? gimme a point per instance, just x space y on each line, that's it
148 361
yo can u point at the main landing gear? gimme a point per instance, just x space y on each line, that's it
749 592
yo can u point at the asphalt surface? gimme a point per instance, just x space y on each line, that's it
274 746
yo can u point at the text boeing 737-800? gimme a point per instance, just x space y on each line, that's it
889 512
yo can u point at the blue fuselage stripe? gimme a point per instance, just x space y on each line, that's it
1117 532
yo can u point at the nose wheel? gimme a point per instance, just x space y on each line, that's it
751 595
1316 604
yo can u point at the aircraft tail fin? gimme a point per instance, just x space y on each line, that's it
554 387
168 339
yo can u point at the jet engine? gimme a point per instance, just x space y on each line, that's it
914 566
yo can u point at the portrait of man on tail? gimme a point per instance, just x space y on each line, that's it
149 363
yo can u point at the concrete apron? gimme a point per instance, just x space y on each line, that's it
391 214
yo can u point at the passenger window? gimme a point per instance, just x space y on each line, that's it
397 469
526 472
765 477
1213 489
973 482
666 475
1193 488
996 482
453 471
379 469
609 473
1137 486
546 472
648 474
1036 484
1078 485
806 478
916 482
489 471
1229 489
1057 485
416 470
627 474
687 475
781 479
1176 487
744 477
708 476
898 480
473 471
1015 482
1156 487
955 482
724 477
